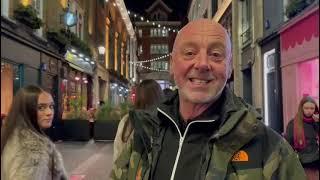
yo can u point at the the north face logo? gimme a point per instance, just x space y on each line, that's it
240 156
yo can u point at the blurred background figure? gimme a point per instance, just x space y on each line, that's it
101 103
26 152
168 92
303 135
148 95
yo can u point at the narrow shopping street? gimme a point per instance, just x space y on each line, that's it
87 160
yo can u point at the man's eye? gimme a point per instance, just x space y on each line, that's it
216 56
190 53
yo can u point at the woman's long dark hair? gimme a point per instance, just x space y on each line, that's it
148 94
23 113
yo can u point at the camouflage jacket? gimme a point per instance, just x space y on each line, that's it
241 137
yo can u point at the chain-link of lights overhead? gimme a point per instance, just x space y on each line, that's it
151 60
135 15
152 69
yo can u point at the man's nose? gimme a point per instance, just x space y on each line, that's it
202 63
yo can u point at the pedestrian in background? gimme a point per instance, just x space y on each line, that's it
168 92
303 135
148 95
26 152
204 131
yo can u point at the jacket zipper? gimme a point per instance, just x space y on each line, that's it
181 140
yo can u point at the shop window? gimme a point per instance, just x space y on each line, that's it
246 22
308 81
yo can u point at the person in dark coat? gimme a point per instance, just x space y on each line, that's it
303 135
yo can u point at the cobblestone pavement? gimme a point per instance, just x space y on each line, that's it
87 160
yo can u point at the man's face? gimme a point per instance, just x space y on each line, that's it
201 61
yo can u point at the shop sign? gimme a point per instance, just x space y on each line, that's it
78 63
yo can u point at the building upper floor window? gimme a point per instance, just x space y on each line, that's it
158 32
246 21
159 49
159 15
160 65
78 28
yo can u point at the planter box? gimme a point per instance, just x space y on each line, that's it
105 130
76 130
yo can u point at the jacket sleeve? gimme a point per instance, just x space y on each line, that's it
289 166
120 166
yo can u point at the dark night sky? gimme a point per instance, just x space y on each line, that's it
179 7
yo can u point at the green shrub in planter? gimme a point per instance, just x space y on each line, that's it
57 38
27 15
107 120
76 123
77 42
296 6
77 112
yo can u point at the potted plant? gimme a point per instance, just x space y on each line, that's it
58 39
107 120
296 6
27 15
76 123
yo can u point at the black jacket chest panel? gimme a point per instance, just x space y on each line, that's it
192 152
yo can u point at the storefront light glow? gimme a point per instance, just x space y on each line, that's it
77 78
86 81
101 50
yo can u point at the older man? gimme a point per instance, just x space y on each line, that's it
204 131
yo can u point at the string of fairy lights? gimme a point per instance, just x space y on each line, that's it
143 19
153 69
152 60
135 17
139 63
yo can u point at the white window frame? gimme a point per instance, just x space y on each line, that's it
266 70
5 8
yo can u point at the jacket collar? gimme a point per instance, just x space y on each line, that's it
220 109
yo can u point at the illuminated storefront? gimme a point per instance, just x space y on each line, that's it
300 60
10 83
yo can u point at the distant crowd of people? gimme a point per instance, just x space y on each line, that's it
199 131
